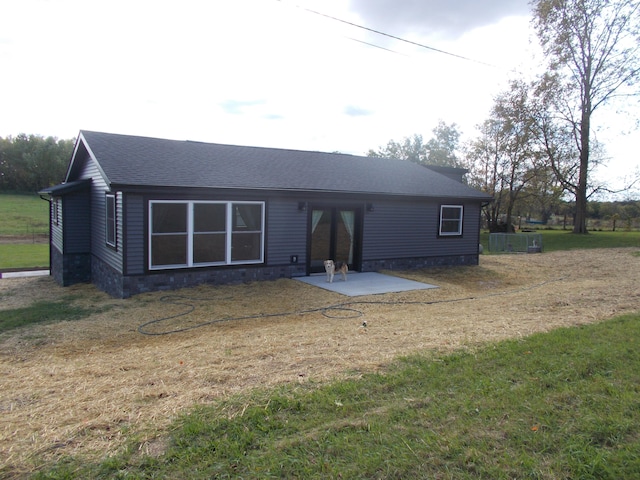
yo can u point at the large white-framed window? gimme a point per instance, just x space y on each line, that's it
110 219
450 220
205 233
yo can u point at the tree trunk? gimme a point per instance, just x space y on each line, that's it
580 223
580 219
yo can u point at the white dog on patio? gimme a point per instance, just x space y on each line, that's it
332 267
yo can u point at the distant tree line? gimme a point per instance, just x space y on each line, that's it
29 163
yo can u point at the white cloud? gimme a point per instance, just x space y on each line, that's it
441 18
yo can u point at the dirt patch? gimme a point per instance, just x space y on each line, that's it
80 387
34 238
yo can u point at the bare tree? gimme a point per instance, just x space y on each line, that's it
594 56
503 160
485 166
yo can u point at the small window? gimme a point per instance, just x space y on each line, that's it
55 211
450 220
110 219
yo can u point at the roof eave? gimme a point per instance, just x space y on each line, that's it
66 187
139 187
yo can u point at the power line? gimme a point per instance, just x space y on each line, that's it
375 46
400 39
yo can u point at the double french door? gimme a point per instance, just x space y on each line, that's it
335 234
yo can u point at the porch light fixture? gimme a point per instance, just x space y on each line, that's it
302 206
369 207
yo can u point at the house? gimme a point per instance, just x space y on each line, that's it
138 214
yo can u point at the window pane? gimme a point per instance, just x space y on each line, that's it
111 207
169 217
111 234
111 219
209 248
168 250
246 246
209 217
450 226
449 213
247 217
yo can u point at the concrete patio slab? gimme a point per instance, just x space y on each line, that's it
364 283
24 273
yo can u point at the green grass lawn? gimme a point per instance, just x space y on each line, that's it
564 404
553 240
23 215
43 312
24 256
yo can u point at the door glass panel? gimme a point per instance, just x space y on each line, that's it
344 236
320 237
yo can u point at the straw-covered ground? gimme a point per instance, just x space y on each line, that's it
81 387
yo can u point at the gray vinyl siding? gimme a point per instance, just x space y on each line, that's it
134 221
286 232
410 229
75 220
398 230
109 255
468 242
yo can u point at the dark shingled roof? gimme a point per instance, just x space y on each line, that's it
140 161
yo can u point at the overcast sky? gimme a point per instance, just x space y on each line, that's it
267 72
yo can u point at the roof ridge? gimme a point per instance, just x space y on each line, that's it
231 145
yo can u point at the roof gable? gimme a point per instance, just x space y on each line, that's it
142 161
81 155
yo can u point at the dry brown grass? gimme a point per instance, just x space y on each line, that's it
79 387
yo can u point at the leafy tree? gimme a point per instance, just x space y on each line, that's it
440 150
412 149
594 57
443 146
